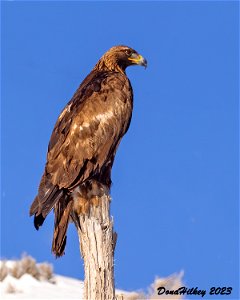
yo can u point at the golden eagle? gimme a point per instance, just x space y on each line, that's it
84 141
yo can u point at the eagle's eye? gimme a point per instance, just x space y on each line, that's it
129 52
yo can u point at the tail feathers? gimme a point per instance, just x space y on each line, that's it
62 212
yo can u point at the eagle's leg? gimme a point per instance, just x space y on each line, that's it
87 195
97 240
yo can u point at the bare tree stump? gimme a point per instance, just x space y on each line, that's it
97 243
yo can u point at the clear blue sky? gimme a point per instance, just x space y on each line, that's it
175 191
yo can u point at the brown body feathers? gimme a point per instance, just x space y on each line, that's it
84 141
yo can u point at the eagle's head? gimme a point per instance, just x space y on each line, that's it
118 58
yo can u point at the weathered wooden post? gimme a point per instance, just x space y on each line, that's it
97 243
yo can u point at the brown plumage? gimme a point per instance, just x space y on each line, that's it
84 141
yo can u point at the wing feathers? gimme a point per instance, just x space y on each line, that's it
48 195
88 131
82 146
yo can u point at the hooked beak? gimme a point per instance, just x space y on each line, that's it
138 60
